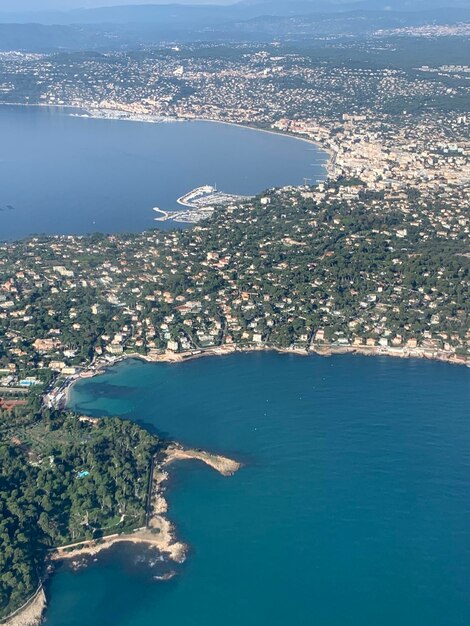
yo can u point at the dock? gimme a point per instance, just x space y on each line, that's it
200 204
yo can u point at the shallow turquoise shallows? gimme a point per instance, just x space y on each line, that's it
352 509
64 174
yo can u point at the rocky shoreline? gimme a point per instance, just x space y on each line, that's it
401 353
31 613
159 532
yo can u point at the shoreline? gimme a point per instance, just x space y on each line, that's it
323 350
106 114
328 164
31 613
159 532
402 353
326 149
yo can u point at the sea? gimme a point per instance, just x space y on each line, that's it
352 507
63 174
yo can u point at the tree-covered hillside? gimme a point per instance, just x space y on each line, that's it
65 480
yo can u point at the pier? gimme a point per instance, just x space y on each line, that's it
208 196
200 204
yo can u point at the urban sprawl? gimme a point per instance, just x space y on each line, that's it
375 259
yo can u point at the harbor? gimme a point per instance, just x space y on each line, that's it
200 204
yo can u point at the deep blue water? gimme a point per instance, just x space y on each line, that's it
65 174
352 509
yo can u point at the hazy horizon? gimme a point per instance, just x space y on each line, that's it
64 5
36 6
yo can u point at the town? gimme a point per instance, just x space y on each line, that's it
375 259
333 267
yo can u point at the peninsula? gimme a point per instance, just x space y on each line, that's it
90 484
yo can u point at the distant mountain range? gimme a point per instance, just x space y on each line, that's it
215 13
251 20
355 23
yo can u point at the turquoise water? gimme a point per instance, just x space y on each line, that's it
352 509
64 174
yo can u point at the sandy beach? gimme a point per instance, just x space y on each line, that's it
123 115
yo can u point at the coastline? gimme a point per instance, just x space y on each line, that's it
107 114
323 349
110 114
159 532
402 353
328 164
326 149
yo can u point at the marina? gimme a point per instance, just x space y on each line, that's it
208 196
201 203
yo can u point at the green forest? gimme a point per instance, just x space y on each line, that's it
65 480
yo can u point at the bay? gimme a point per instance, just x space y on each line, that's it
73 175
352 508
